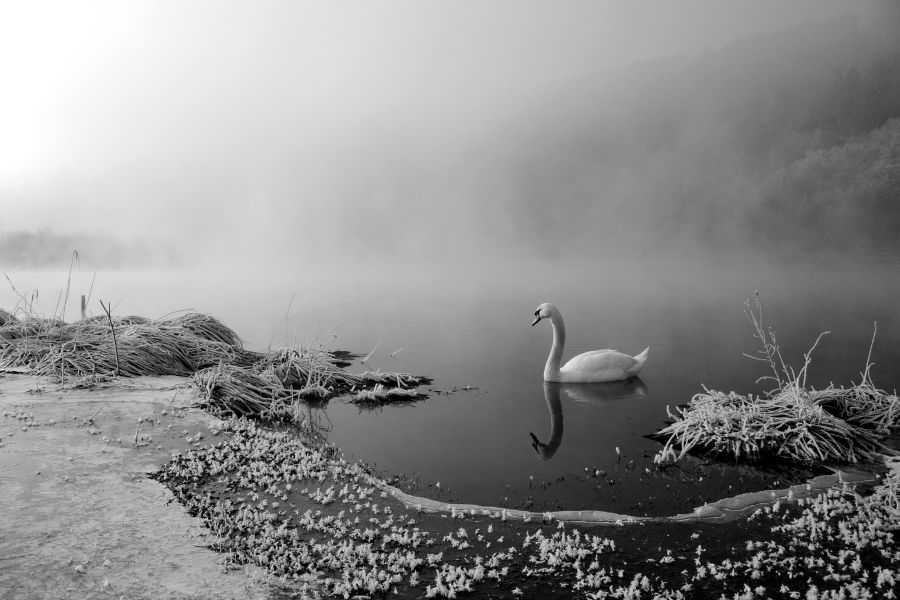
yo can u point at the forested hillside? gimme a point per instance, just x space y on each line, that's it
782 143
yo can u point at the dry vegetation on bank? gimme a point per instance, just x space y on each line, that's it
230 380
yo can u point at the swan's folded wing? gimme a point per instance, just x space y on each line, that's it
599 360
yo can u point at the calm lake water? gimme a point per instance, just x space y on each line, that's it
468 329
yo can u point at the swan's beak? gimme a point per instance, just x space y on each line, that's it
536 321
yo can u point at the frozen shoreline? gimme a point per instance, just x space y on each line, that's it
80 519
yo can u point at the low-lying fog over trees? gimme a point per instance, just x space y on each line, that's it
319 131
787 142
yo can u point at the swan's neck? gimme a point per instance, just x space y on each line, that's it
551 370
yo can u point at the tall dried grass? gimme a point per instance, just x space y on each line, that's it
282 380
229 379
53 348
751 428
788 422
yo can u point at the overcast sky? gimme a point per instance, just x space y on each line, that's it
112 110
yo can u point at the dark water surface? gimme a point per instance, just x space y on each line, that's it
468 327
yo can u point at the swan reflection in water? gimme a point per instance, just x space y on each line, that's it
592 393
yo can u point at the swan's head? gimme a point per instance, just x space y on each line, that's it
542 312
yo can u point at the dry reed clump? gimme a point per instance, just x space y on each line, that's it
789 422
206 327
17 328
229 389
784 426
863 405
230 379
24 341
280 381
127 346
101 321
304 367
314 371
380 394
6 317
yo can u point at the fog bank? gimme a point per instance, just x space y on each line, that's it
287 132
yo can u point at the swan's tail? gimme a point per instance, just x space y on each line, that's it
640 359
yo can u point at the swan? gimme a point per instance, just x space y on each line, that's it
595 366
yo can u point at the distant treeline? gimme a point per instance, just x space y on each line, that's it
46 249
788 142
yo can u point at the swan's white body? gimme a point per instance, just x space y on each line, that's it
596 366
